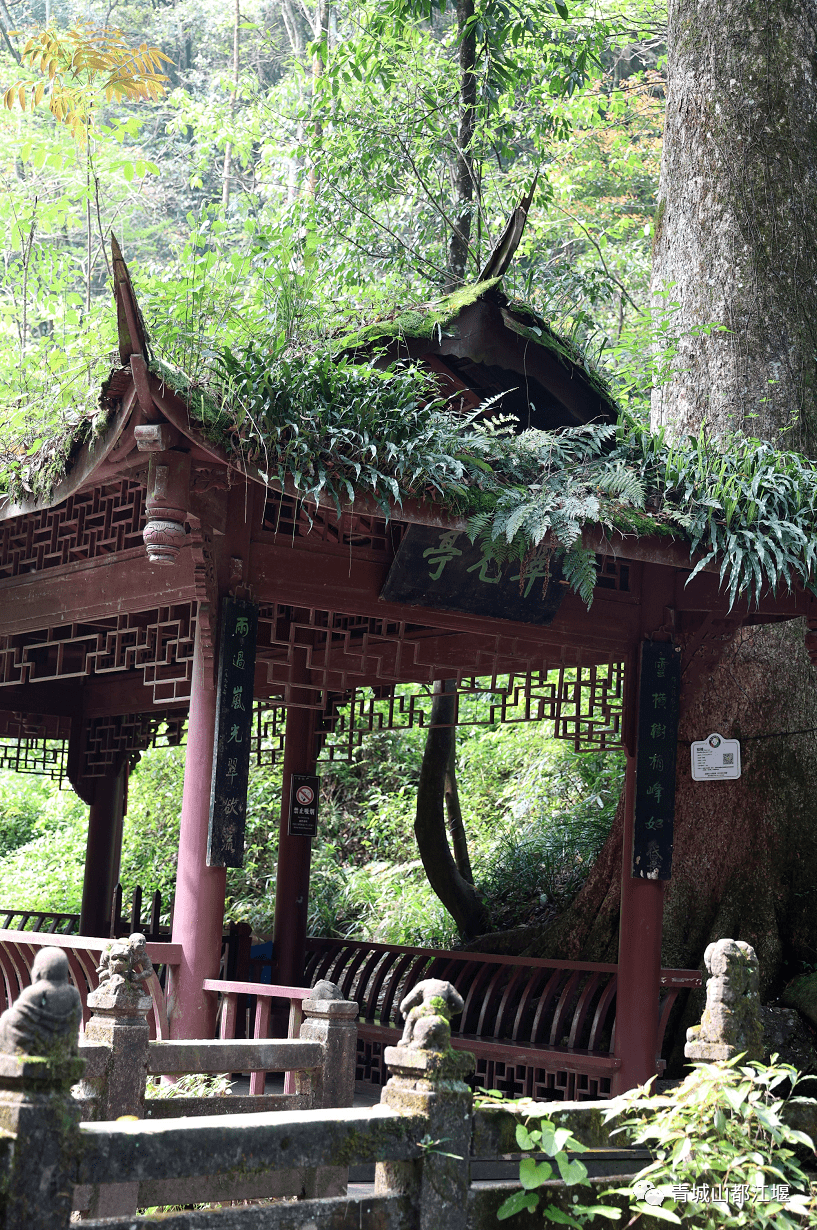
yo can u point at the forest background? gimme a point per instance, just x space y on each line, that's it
301 171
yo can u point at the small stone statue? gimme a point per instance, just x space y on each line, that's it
124 968
44 1019
428 1009
731 1023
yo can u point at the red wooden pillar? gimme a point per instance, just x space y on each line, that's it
294 853
103 852
639 960
198 914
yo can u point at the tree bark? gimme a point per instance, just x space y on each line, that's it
460 238
736 234
450 878
228 148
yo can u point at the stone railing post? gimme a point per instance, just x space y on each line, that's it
731 1022
121 1003
38 1065
427 1079
331 1020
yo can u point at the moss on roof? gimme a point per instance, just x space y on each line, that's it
434 320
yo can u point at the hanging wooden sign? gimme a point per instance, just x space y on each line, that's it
303 805
231 761
658 701
443 569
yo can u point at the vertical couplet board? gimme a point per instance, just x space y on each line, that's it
658 700
231 762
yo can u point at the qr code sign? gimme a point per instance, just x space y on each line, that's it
728 757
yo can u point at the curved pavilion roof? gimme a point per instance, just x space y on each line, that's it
93 632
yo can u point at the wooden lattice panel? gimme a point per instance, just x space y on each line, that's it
100 522
583 705
108 738
34 744
159 643
343 651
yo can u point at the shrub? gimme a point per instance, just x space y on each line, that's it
722 1133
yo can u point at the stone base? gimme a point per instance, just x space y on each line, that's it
710 1051
414 1063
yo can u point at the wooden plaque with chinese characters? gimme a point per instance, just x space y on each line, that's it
444 570
231 761
658 697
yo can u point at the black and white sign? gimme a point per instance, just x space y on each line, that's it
715 759
303 806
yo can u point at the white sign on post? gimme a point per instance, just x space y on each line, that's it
715 759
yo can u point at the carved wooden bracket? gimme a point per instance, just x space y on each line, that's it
168 499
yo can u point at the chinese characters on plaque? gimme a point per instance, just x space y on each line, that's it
658 698
445 570
231 763
303 805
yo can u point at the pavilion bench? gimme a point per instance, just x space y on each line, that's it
538 1028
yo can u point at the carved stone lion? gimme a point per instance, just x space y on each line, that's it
123 969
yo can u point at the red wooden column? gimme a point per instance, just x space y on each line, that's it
103 851
642 900
639 959
294 853
198 914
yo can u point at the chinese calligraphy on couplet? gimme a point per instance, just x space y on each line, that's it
231 762
655 765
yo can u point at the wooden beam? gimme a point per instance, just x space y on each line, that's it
93 589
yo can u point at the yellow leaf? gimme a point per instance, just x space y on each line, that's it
8 99
21 95
38 93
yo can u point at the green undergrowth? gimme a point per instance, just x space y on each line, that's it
725 1153
536 814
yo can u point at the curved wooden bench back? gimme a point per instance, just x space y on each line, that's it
19 948
524 1001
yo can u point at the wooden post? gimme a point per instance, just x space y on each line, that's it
198 914
102 852
294 853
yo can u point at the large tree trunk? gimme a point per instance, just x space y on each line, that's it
448 874
736 233
460 239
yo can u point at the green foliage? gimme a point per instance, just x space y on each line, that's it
539 1134
190 1085
45 872
724 1127
22 799
536 814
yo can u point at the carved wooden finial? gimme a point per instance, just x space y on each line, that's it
133 338
505 250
